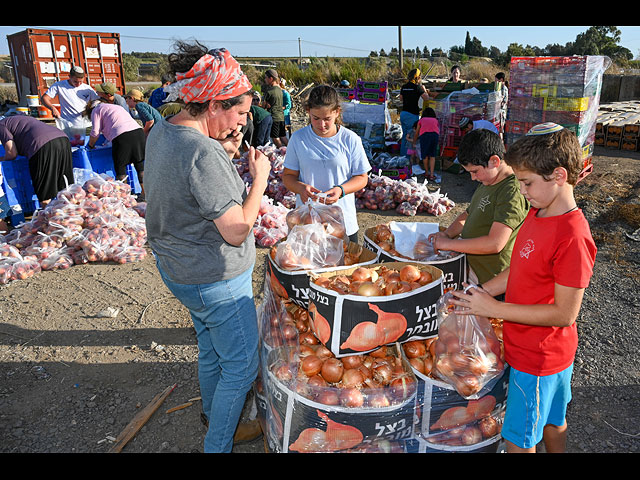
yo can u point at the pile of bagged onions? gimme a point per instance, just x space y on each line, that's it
377 379
376 281
97 221
275 188
407 197
271 225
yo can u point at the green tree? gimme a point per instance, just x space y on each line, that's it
601 40
130 66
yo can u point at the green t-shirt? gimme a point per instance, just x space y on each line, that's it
259 113
273 96
501 203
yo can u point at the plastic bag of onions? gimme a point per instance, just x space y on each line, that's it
309 247
467 353
329 216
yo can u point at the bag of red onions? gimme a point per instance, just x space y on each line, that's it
329 216
467 354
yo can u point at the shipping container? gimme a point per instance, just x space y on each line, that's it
43 57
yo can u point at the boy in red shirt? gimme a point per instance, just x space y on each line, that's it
551 265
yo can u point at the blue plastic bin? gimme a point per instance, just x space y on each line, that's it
17 186
100 160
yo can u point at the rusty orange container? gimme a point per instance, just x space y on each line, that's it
43 57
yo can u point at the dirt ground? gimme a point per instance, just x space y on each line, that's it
71 379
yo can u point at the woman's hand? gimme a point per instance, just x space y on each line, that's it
333 195
259 166
232 142
308 192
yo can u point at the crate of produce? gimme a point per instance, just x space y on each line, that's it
578 104
375 87
400 173
360 309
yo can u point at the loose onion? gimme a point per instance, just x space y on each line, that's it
332 370
409 273
352 361
351 397
361 274
415 348
311 365
369 289
352 377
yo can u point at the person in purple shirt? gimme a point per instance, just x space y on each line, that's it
47 148
125 134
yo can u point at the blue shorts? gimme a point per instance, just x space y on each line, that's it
534 402
429 144
5 209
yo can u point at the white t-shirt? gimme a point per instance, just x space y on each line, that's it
73 100
327 162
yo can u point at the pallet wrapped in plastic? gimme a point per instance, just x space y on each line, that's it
562 90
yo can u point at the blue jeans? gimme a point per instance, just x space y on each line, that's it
407 120
226 324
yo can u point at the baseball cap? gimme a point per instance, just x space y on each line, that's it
271 73
106 87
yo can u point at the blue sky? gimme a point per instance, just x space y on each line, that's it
357 40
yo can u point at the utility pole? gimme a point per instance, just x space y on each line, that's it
400 47
299 53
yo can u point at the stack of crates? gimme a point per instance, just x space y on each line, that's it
482 102
371 92
562 90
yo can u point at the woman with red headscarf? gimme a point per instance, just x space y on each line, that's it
200 225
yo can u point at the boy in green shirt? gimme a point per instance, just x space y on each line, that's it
487 229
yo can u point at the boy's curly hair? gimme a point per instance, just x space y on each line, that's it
542 154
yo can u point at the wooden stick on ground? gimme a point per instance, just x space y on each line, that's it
139 420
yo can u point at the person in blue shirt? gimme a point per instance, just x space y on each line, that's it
146 113
156 99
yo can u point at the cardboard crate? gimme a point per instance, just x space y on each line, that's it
454 269
343 316
289 413
294 285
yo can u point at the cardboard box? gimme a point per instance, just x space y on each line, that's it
436 400
454 270
341 318
295 423
294 285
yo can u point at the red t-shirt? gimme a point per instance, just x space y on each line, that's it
547 251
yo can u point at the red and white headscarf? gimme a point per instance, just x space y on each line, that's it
215 76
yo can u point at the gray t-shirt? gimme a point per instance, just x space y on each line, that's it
189 181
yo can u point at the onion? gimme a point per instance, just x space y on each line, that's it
311 365
379 400
351 397
322 282
425 277
418 364
323 352
352 361
488 426
332 370
352 377
328 396
361 274
409 273
415 348
317 381
308 338
369 289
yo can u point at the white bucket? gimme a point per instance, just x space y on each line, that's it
24 110
32 100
